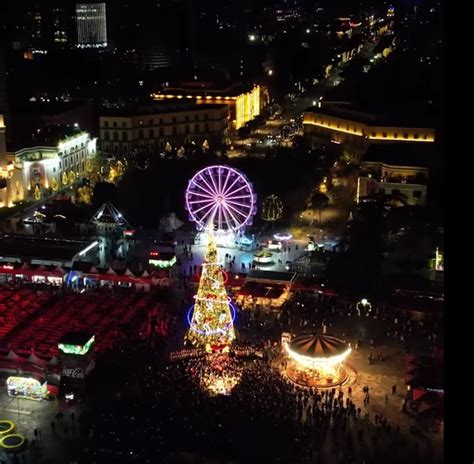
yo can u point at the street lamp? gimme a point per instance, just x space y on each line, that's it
364 305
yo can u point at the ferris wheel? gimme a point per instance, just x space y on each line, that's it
221 196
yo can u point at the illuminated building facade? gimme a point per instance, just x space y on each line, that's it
356 131
243 104
389 179
42 169
152 128
91 25
395 170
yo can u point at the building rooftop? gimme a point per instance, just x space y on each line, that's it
406 154
26 248
346 110
157 108
207 88
48 136
401 97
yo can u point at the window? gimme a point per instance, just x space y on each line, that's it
107 135
161 120
395 135
338 125
114 123
150 122
106 123
174 120
175 131
115 135
206 127
417 194
186 118
162 132
425 136
416 136
196 128
54 169
151 134
124 124
405 135
140 134
374 134
384 135
196 117
206 116
125 135
186 129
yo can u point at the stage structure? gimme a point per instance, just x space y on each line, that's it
211 318
108 218
317 360
221 199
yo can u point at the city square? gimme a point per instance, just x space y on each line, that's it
221 232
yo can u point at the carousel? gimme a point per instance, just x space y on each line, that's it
263 257
317 361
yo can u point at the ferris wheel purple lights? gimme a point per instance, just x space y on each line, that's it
221 196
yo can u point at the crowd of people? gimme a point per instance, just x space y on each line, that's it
264 417
167 408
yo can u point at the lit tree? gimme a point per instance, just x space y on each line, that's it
84 194
168 147
113 174
272 209
212 320
37 192
54 184
72 177
181 151
205 146
64 178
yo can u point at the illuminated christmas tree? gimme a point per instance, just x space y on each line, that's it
212 321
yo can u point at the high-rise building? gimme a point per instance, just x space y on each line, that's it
60 25
3 84
91 25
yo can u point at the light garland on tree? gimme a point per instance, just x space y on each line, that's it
211 319
272 208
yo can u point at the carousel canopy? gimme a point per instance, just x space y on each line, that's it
318 348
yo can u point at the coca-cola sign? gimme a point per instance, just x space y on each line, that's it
73 372
78 372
